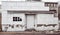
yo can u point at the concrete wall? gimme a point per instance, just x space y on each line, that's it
9 20
39 19
17 5
27 6
46 19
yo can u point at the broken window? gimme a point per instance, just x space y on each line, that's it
17 19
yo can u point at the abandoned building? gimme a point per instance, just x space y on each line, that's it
29 15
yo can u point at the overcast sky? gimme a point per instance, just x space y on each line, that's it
23 0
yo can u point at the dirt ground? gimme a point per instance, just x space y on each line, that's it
26 33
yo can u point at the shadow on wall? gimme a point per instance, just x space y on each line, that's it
59 16
0 23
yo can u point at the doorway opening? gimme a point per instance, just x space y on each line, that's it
30 21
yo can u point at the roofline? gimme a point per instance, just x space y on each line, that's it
41 12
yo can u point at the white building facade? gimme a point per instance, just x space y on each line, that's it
20 15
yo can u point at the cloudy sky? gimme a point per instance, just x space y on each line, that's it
24 0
